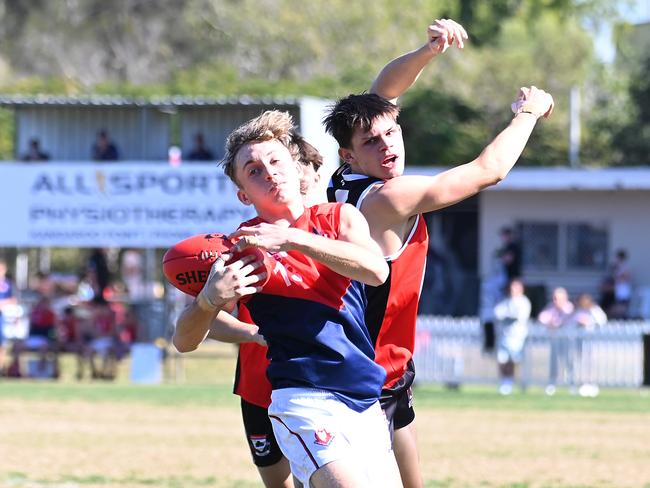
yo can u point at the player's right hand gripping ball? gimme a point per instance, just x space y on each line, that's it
187 264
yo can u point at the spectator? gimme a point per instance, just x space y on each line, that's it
104 149
510 254
200 152
44 284
555 317
98 274
6 298
586 318
622 277
132 271
126 333
72 338
43 338
34 153
511 314
103 343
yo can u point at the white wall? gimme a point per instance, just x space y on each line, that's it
625 213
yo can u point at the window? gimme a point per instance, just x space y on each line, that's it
564 246
539 245
586 247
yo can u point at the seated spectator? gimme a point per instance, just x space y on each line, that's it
42 338
44 284
34 153
200 152
103 343
127 333
104 149
555 317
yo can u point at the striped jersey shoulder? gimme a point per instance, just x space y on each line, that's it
348 187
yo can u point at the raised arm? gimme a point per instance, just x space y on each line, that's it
406 196
399 74
354 254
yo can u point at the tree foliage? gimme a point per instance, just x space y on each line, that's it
329 49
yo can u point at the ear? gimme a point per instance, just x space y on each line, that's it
346 155
243 197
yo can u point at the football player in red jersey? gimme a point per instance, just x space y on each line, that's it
372 148
325 410
251 383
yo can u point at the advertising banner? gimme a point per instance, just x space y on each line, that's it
114 204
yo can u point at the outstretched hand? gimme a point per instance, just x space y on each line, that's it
534 101
443 33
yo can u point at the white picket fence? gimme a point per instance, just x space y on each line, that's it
450 351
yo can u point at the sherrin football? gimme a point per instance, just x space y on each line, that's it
186 265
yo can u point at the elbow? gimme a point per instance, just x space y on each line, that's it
182 346
494 173
494 169
379 276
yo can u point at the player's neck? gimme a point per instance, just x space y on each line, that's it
283 214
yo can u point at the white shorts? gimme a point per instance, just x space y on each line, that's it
313 427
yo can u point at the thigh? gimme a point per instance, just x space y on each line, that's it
316 431
259 434
406 453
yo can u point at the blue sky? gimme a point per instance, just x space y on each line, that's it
636 13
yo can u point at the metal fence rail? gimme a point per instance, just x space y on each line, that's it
450 351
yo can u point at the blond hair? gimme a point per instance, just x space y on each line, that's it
270 125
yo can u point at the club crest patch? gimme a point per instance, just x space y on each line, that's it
261 444
322 437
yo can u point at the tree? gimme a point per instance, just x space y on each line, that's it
633 139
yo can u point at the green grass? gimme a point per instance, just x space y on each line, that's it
163 395
428 397
486 398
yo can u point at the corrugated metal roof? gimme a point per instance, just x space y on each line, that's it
563 179
154 101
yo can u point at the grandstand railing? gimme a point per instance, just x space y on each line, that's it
451 351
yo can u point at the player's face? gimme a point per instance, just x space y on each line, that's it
267 175
309 179
379 152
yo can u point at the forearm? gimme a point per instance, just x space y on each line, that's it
192 327
400 74
346 258
498 158
226 328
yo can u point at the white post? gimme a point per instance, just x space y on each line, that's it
574 127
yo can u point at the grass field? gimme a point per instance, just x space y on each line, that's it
189 434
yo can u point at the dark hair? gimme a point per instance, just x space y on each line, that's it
308 153
356 111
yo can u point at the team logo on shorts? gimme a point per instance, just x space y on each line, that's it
322 437
261 444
